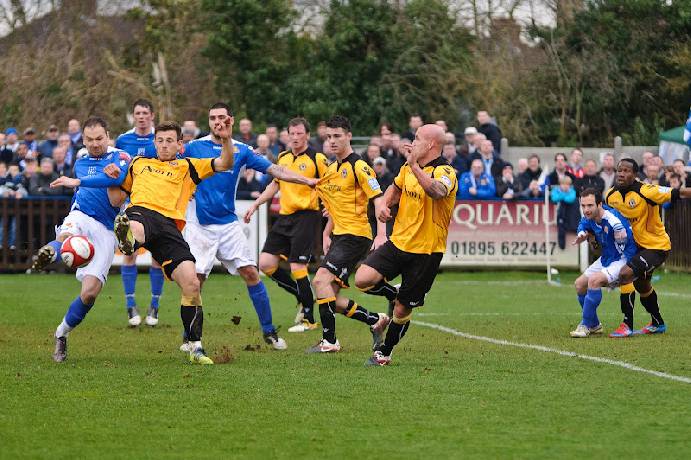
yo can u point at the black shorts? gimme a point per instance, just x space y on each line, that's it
293 236
646 261
344 254
163 239
417 271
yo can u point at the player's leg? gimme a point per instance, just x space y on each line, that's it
642 265
379 266
302 237
627 298
590 323
305 320
128 273
277 244
50 252
581 285
260 301
156 278
326 301
80 306
191 311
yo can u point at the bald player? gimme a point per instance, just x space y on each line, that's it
425 191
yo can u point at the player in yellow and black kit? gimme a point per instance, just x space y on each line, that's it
345 189
160 189
292 235
425 190
640 204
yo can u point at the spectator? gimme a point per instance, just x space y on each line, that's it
3 137
590 178
188 134
561 169
493 165
264 148
45 148
7 154
192 129
450 138
575 167
12 188
61 166
451 155
74 130
284 139
414 122
488 127
680 169
522 166
533 179
22 155
675 182
245 133
384 176
444 126
476 184
30 140
39 183
65 142
646 159
608 173
467 147
275 145
507 185
318 140
372 153
390 145
249 188
326 150
376 140
30 169
652 174
568 214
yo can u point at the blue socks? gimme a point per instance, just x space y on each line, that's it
58 247
129 282
156 277
260 300
581 299
592 301
76 312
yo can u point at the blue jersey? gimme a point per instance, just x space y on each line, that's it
613 249
215 196
134 144
91 197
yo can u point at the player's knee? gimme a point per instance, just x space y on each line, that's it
642 285
401 314
596 282
191 287
581 284
267 266
249 274
363 279
321 280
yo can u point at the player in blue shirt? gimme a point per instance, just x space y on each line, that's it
213 230
91 215
139 141
613 233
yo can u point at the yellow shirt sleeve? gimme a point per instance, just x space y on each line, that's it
127 183
322 164
398 180
656 193
367 179
201 168
447 176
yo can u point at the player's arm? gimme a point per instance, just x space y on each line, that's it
225 161
283 173
326 236
269 192
581 232
391 198
379 205
435 189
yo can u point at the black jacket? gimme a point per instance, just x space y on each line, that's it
493 133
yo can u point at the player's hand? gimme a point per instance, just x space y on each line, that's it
384 214
223 128
325 213
311 182
64 181
407 152
248 215
112 170
472 191
378 241
579 239
326 243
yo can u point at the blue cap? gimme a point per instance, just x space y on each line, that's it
9 131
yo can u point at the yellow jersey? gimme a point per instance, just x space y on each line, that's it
165 186
422 224
640 204
345 190
299 197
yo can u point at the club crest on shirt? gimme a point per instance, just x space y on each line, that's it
344 173
302 166
632 203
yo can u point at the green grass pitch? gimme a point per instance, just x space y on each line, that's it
128 393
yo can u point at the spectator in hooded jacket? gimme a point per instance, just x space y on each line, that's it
532 181
507 184
488 127
476 184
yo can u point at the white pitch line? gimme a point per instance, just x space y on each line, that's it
572 354
489 313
